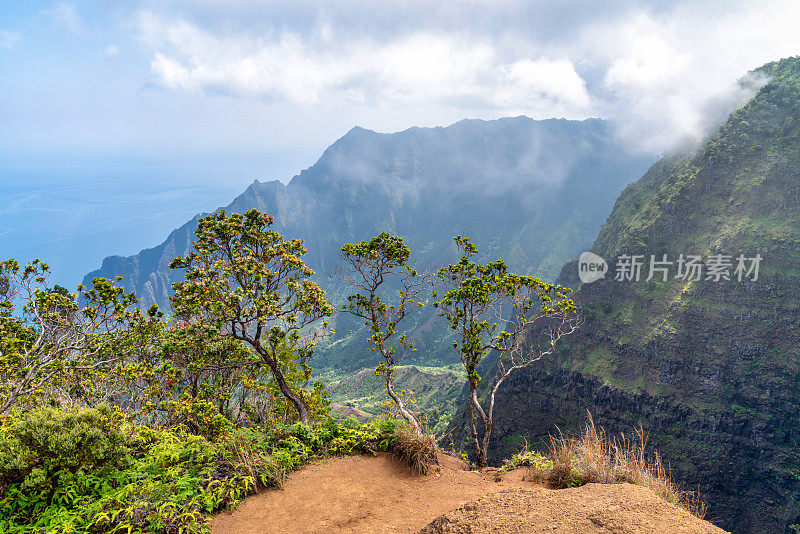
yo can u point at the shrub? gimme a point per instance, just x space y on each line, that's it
596 457
46 444
526 458
94 471
198 416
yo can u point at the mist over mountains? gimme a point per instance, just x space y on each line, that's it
709 368
532 192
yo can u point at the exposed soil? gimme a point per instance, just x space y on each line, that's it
379 494
618 508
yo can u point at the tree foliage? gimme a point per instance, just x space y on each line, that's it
371 266
91 470
48 336
493 309
248 282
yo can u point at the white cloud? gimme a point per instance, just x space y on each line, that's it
555 81
299 73
447 69
672 76
67 14
656 70
111 51
9 39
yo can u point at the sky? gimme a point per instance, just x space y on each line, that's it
121 120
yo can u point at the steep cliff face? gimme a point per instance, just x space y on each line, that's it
710 368
533 192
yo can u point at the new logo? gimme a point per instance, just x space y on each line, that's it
591 267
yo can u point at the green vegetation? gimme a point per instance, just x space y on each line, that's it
370 266
112 420
475 299
709 368
93 470
435 393
249 283
47 335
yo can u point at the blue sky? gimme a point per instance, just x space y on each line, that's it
120 120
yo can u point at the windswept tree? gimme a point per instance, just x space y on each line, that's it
49 336
389 291
493 309
250 283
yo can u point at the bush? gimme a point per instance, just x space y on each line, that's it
99 473
198 416
525 458
46 444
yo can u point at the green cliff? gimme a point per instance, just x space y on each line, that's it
710 368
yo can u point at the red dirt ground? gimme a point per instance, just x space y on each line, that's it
379 494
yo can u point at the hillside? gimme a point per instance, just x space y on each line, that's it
710 368
436 393
379 494
532 192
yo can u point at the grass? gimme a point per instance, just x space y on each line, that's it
594 456
420 452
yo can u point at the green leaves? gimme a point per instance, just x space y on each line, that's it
249 282
243 271
370 266
479 299
492 308
48 443
388 250
93 471
50 339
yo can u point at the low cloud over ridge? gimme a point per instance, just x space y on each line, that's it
655 70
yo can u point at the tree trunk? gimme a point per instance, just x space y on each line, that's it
405 413
482 446
489 416
483 459
473 424
272 362
294 398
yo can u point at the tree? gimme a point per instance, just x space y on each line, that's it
199 364
370 266
47 335
492 308
250 283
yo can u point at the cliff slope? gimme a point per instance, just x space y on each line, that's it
711 368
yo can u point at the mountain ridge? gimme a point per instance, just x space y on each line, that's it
711 369
531 192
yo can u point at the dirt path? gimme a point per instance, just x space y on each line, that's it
380 495
361 494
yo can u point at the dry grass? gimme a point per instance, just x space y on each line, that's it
420 452
595 456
